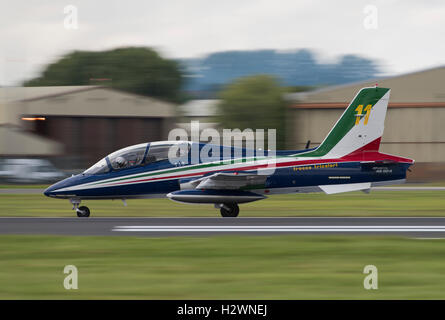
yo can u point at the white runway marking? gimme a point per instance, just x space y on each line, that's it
279 228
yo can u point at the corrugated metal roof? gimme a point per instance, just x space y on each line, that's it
84 101
200 108
10 94
427 86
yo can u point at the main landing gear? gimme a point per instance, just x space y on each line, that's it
228 209
83 211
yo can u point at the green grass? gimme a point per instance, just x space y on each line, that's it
23 186
378 203
221 267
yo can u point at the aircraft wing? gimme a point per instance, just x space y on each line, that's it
229 181
220 187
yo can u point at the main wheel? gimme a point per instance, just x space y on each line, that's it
230 210
83 212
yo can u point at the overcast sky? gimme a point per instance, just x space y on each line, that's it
409 35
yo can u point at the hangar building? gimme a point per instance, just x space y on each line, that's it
77 125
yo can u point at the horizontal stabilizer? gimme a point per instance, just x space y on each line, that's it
339 188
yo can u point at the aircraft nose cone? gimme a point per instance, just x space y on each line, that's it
53 190
57 190
49 191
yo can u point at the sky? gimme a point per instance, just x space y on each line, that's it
402 36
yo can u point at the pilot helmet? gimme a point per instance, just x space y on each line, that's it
120 162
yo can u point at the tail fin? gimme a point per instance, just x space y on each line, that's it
360 126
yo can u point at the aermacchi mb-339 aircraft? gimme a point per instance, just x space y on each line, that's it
348 159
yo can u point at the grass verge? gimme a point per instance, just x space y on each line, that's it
381 203
24 186
221 267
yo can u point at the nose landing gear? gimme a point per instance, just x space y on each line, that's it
83 211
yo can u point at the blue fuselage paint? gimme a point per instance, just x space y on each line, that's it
347 172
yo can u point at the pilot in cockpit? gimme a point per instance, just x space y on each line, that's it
120 162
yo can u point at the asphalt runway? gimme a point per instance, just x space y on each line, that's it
421 227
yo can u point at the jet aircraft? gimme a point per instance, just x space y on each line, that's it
348 159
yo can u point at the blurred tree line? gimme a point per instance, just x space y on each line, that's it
251 85
134 69
255 102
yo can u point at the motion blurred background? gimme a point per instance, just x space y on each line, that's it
79 80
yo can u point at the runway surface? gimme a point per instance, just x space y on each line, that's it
159 227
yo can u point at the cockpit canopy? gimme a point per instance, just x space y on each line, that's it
128 157
139 155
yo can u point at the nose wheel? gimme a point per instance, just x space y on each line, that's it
83 211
